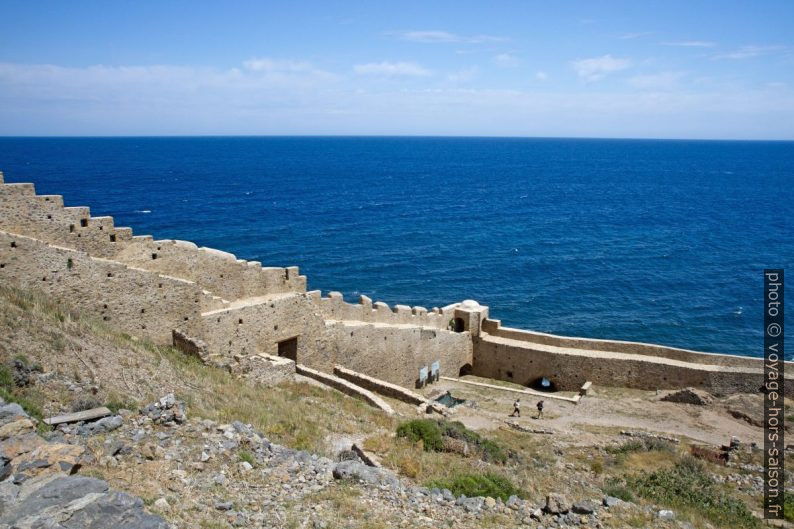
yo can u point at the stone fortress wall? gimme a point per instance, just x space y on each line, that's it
239 309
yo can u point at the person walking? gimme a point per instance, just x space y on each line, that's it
516 408
540 409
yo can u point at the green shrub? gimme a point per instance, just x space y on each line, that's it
618 490
431 432
688 485
424 430
30 408
788 506
248 457
6 378
471 485
641 445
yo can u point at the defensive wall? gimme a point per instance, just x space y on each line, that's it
526 357
238 310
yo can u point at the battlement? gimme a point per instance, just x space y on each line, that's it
45 217
334 307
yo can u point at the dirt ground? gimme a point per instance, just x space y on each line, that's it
606 410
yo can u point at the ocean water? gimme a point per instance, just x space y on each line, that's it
654 241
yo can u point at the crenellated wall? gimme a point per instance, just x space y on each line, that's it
221 273
134 300
334 307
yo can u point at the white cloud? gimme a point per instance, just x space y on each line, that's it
392 69
541 75
657 81
464 75
596 68
637 35
277 65
690 44
748 52
440 37
507 60
168 99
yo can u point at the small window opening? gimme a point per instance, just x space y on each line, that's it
83 223
113 238
289 349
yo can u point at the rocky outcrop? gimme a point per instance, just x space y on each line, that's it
39 487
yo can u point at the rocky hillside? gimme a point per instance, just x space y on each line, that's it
192 446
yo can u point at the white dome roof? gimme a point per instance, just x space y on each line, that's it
469 304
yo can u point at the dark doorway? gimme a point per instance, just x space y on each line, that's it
458 325
289 349
543 384
466 369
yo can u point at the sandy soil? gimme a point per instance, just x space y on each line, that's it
606 410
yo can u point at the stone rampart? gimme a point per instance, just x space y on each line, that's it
494 328
334 307
133 300
395 353
525 362
44 217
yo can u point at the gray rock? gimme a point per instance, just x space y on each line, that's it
447 495
126 512
9 412
666 515
473 504
611 501
224 506
583 507
72 502
167 411
360 471
104 425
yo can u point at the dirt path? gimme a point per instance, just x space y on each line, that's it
606 408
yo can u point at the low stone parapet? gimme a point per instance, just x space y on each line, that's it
348 388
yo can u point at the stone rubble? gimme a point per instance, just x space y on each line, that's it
39 487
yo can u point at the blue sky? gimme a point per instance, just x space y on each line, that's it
595 69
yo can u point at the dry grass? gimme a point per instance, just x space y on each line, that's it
125 372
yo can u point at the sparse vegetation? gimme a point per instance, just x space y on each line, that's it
493 485
788 506
247 457
10 393
687 485
642 445
617 489
431 434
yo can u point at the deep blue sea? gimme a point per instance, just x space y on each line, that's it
654 241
